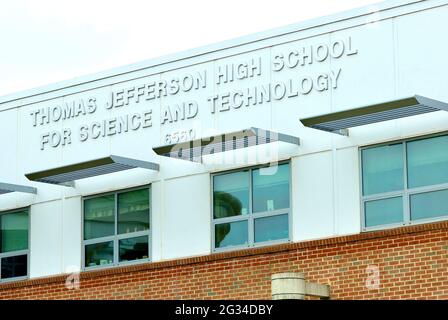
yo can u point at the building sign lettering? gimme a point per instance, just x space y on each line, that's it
154 94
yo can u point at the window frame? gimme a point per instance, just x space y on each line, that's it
405 193
116 237
251 217
18 252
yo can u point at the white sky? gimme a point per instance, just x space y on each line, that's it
45 41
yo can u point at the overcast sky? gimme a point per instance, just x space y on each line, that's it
45 41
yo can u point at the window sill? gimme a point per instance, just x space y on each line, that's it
253 246
9 280
113 266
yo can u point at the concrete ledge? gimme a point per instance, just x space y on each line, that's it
293 285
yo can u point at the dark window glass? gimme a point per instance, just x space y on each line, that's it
99 217
231 194
271 228
270 188
13 267
382 169
429 205
384 211
427 162
14 231
99 254
134 249
133 211
231 234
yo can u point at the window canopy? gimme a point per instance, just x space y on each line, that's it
339 122
68 174
193 150
8 188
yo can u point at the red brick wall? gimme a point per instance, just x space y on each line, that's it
412 261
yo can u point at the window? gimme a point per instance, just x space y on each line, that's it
405 182
251 206
14 244
117 228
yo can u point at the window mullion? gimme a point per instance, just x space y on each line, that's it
250 234
231 219
265 214
132 235
14 253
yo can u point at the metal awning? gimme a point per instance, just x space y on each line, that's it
193 150
339 122
66 175
8 188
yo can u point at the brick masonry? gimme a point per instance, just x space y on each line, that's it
412 263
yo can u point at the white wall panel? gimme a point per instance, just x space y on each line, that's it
157 214
187 218
8 146
71 234
347 192
313 197
46 239
369 75
421 53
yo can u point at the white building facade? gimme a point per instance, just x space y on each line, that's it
311 184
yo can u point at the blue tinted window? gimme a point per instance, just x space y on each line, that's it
231 234
231 194
384 211
271 228
99 217
429 205
427 162
425 180
382 169
270 188
14 231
